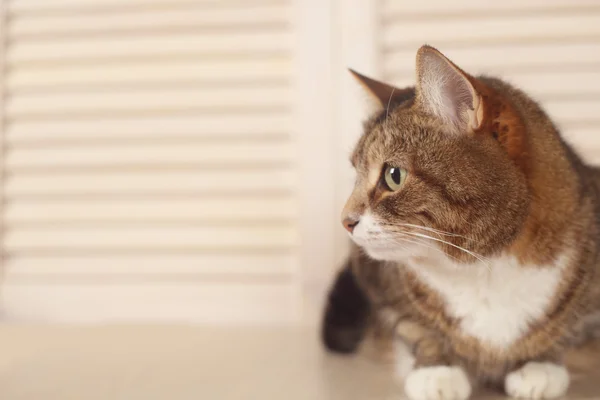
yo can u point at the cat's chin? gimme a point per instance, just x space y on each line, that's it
385 254
381 250
397 254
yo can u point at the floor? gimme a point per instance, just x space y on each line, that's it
161 362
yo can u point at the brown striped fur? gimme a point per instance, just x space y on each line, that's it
511 185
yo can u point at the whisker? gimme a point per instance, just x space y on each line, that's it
388 240
395 229
387 109
419 243
432 230
429 246
477 256
440 232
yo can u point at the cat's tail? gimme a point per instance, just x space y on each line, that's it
347 312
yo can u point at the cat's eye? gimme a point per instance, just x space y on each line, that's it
393 177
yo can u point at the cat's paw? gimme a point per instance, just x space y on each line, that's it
437 383
537 380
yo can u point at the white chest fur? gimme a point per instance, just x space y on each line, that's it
496 304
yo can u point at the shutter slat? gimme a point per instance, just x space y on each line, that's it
166 45
149 237
462 7
148 183
178 127
566 111
583 136
70 7
149 211
554 57
557 83
150 20
560 27
144 74
586 141
143 154
246 264
133 101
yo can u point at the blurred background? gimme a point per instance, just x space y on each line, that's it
186 160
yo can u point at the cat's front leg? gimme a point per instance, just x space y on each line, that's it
537 380
434 376
441 382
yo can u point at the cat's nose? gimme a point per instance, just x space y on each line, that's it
349 223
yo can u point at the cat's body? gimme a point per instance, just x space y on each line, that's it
482 234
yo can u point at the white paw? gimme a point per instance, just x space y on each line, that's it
537 381
438 383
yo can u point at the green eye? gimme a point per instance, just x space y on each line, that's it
394 177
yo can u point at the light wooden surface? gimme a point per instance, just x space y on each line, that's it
168 362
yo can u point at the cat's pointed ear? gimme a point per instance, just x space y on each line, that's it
383 93
446 91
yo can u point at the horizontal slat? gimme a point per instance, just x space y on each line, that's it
148 211
553 85
586 142
148 183
147 19
155 45
149 128
209 72
593 159
242 264
564 112
176 302
19 7
136 101
493 30
556 57
541 85
114 156
584 137
104 238
399 8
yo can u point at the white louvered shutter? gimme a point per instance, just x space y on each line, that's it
151 161
549 48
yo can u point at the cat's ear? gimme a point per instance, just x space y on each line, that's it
383 93
446 91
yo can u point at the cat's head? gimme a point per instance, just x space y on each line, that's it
443 167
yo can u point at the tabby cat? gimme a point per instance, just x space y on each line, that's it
477 233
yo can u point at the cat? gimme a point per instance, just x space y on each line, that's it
476 231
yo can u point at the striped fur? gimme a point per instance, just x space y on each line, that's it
490 249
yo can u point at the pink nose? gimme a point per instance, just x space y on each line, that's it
349 224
